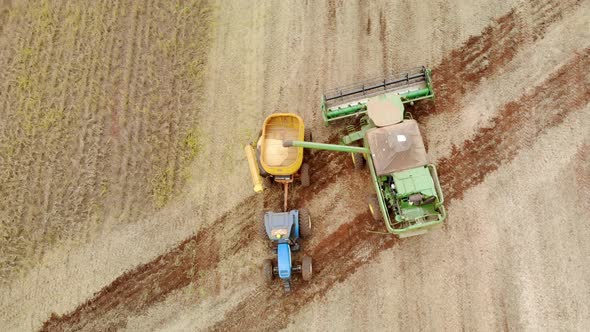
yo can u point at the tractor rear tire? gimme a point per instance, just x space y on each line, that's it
358 160
267 270
306 268
261 226
304 223
305 175
374 208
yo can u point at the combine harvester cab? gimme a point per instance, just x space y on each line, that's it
408 197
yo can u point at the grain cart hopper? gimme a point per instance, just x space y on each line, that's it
408 196
269 160
285 230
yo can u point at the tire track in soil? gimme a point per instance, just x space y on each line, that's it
486 54
581 163
121 113
139 289
513 128
135 96
517 126
36 168
135 291
90 155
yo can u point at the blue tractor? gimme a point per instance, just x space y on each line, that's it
285 230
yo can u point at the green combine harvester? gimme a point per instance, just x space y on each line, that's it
408 196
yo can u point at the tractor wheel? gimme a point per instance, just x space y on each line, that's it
307 135
304 223
374 208
307 153
267 270
262 227
357 160
306 268
304 175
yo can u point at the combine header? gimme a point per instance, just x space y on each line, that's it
408 196
351 101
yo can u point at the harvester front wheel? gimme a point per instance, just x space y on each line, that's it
374 208
304 223
306 268
357 160
267 270
305 181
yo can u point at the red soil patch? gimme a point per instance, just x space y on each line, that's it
340 254
520 124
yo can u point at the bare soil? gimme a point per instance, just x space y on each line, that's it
181 252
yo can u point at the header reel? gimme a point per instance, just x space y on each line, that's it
349 101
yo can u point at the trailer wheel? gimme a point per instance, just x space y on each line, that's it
357 160
374 208
261 170
307 135
305 181
306 268
267 270
267 182
308 138
304 223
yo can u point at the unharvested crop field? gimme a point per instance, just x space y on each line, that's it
99 117
125 201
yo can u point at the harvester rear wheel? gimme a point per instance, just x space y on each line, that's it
305 181
304 223
374 208
357 160
306 268
267 270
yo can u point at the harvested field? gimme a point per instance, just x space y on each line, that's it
126 195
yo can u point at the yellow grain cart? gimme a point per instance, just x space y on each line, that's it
268 159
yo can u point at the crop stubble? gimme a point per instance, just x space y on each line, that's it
351 243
